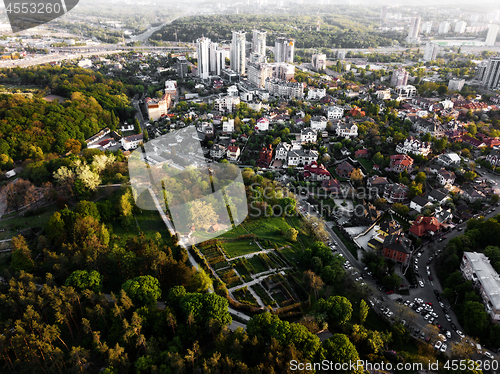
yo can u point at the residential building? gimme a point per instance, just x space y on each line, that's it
477 268
439 195
262 124
228 126
362 153
426 28
318 123
383 94
456 84
460 27
445 177
334 112
227 103
132 141
491 37
472 194
289 90
316 172
282 150
284 49
491 77
302 157
444 28
158 107
233 152
331 186
308 135
399 77
413 31
449 159
425 226
346 129
344 169
396 193
431 51
96 137
319 61
494 158
237 58
397 247
419 203
414 146
406 92
377 183
182 66
400 163
171 88
203 53
259 42
316 93
265 156
429 125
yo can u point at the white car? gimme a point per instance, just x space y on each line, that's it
448 334
448 318
443 348
421 283
442 337
488 354
438 344
419 254
460 333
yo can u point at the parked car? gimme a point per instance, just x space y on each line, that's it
448 318
438 344
443 348
460 333
488 354
421 283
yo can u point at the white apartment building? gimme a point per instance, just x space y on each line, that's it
318 123
302 157
456 84
477 268
308 135
414 146
335 112
285 89
284 49
431 51
346 130
227 103
281 152
319 61
132 141
492 35
316 93
406 92
238 45
228 126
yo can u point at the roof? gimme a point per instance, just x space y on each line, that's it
420 201
423 225
398 242
486 275
438 194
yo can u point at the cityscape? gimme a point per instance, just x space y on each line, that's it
254 187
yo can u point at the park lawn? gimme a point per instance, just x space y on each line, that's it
257 264
307 240
235 232
240 247
367 164
244 296
11 225
291 254
269 229
259 290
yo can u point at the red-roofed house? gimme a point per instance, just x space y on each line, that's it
262 124
344 169
331 186
425 226
356 111
491 142
233 152
474 142
316 172
400 163
362 153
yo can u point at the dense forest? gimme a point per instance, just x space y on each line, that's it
336 31
33 128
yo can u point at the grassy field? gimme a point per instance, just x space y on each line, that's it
257 264
244 296
235 232
19 222
367 164
240 247
269 229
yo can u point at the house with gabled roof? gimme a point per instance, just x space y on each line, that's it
400 163
397 247
425 226
344 169
445 177
316 172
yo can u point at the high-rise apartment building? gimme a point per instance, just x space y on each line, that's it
238 52
203 53
319 61
399 77
259 42
414 29
284 49
444 27
491 37
460 27
430 53
491 77
426 28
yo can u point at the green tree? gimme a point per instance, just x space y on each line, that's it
21 255
87 209
202 215
336 309
291 234
83 280
339 349
144 289
363 311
